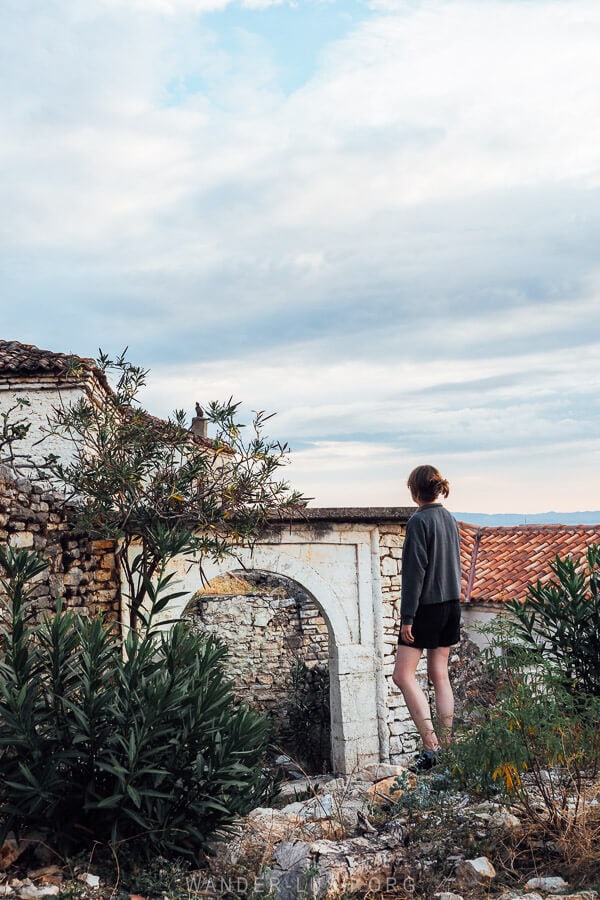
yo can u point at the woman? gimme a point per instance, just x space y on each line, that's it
430 609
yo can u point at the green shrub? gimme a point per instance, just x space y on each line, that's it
538 744
142 743
536 725
545 659
560 619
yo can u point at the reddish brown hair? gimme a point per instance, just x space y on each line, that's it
426 484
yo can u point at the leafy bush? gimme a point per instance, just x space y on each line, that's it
561 620
539 744
537 726
141 743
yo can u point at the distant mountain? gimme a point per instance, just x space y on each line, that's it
547 518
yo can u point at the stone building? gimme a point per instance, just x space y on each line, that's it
44 380
81 571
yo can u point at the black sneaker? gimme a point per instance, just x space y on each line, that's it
425 761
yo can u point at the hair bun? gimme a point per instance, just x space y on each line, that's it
426 483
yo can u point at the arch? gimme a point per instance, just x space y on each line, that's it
270 559
336 569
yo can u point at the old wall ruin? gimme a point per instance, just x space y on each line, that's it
348 562
82 571
268 624
325 592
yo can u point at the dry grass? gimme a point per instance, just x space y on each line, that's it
226 584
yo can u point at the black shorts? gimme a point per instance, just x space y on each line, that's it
436 625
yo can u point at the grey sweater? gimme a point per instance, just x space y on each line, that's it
430 560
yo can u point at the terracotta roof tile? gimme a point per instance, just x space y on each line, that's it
28 360
499 563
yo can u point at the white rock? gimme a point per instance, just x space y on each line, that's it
318 808
448 895
552 885
482 866
90 880
272 823
21 539
580 895
377 771
501 818
31 892
475 871
300 786
6 890
349 809
389 566
511 895
288 764
289 854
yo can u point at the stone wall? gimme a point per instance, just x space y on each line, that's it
402 736
81 570
268 622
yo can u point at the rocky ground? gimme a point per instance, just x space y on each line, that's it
381 833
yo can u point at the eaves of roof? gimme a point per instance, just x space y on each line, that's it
29 361
367 515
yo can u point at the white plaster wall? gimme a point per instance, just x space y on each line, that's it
474 617
43 398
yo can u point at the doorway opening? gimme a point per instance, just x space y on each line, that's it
278 659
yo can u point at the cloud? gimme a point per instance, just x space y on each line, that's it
459 100
174 7
399 253
481 407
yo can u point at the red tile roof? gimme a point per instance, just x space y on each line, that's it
28 360
499 563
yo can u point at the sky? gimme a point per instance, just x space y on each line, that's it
379 219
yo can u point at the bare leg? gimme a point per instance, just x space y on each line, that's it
437 671
407 660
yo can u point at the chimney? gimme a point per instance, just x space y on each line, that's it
199 423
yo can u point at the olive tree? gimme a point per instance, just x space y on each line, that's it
159 490
14 428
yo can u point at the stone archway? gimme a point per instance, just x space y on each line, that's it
340 575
